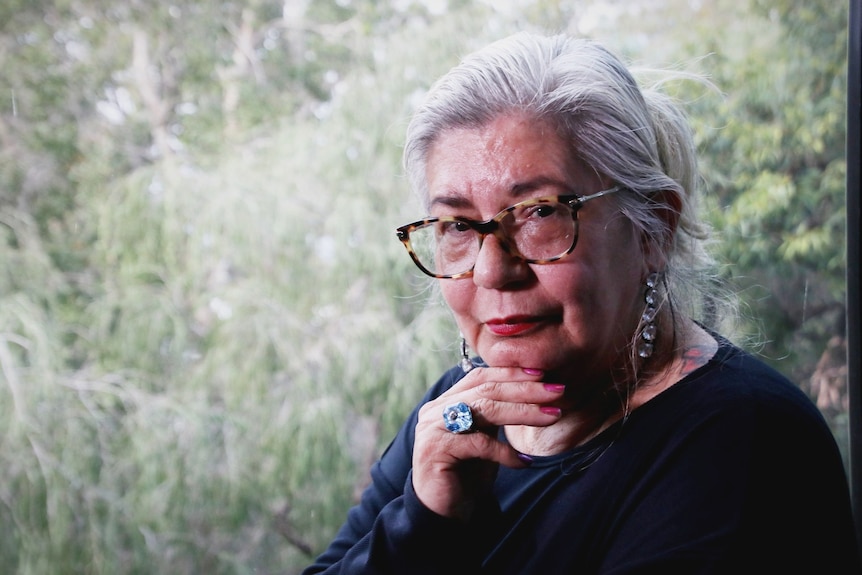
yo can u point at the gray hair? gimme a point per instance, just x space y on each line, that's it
639 138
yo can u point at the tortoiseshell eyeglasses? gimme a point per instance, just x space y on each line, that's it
537 231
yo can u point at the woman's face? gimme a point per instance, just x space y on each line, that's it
573 318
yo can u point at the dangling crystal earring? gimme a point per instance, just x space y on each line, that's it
646 346
466 363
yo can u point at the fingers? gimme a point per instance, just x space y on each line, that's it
483 375
492 413
450 471
505 396
446 465
496 397
492 450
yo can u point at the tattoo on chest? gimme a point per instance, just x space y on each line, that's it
695 357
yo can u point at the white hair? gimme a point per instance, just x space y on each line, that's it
638 138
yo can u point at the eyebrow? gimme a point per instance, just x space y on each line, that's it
516 192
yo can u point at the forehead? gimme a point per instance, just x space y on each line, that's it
504 159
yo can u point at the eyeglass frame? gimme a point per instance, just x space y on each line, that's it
492 226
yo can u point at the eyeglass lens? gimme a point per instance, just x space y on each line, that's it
533 231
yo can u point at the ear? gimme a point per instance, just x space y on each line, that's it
666 205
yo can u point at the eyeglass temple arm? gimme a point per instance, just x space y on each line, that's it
599 194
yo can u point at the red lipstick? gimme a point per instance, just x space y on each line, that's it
514 325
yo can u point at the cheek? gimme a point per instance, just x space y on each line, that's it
608 286
458 295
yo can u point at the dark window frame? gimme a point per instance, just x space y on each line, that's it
854 309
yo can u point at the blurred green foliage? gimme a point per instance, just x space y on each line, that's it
207 328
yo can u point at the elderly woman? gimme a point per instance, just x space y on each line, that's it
604 429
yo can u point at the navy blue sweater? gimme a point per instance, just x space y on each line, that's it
731 470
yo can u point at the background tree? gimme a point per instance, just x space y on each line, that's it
773 158
207 328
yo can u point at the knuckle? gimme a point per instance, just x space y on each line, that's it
480 443
425 412
489 388
484 407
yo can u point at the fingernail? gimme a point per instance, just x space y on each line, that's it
525 458
532 371
555 387
555 411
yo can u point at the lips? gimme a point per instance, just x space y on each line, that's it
514 325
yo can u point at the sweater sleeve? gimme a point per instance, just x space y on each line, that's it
390 530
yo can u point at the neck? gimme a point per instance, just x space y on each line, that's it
575 427
587 419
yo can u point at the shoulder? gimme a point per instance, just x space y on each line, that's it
737 455
735 379
788 456
740 417
740 405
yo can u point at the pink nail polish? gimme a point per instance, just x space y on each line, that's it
556 411
555 387
532 371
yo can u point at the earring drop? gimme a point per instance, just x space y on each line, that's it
646 346
466 362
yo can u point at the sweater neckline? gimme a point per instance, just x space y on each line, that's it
582 456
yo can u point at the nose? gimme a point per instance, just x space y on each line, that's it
496 268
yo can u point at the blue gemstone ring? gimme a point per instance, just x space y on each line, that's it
458 418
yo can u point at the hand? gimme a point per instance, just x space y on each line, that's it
450 470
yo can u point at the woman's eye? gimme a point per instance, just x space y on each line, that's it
541 211
453 227
545 210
